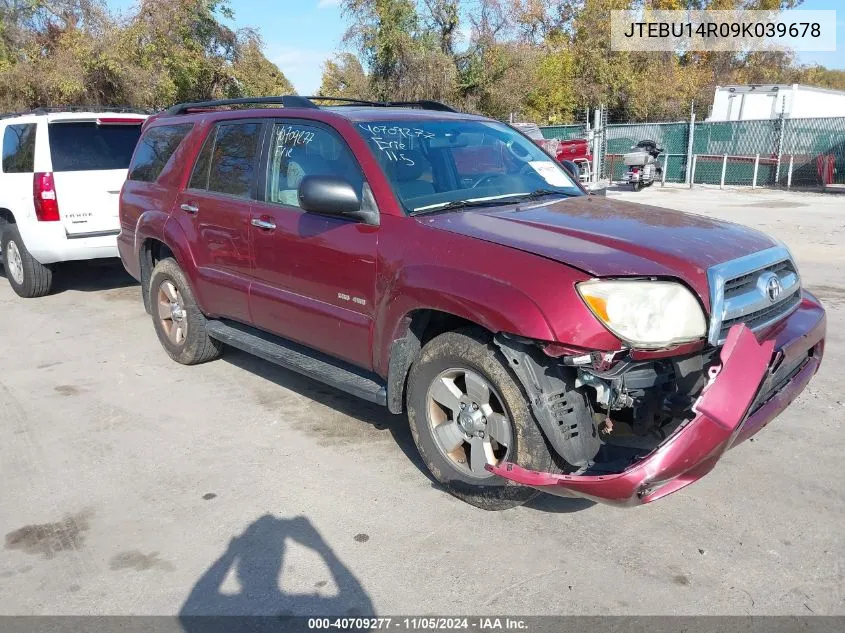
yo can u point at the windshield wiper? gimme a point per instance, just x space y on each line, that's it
541 193
488 201
460 204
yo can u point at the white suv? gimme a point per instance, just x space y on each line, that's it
60 181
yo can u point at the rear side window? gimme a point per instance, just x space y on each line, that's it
154 150
19 148
227 164
89 146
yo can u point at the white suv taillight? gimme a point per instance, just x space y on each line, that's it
44 196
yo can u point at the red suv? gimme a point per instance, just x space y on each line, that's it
538 338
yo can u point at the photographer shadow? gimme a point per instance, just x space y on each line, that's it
257 559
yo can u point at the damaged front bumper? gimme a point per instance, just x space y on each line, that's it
756 382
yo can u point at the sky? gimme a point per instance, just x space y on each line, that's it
300 35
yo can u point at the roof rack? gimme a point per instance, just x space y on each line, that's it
295 101
343 100
76 108
424 104
287 101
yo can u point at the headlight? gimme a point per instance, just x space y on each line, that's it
645 314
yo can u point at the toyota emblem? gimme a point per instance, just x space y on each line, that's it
774 288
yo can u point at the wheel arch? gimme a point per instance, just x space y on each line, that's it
151 251
6 217
155 245
416 328
422 301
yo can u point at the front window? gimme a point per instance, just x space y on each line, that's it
298 150
443 165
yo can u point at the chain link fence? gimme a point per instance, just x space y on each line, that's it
812 151
565 132
672 137
772 152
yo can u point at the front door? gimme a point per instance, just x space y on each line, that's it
314 278
214 213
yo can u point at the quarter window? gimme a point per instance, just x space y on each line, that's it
199 177
299 150
19 148
155 149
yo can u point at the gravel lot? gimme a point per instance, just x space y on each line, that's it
131 483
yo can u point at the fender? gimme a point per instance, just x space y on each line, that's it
155 224
462 293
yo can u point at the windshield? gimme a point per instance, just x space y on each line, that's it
436 165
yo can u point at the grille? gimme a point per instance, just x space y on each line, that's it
761 318
757 290
745 282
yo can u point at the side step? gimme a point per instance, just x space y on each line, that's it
300 359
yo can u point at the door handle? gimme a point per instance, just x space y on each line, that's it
263 224
189 208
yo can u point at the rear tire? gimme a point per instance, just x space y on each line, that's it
28 277
468 363
177 319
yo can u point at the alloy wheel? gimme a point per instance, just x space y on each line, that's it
13 258
171 312
468 421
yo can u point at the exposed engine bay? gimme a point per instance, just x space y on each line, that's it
603 412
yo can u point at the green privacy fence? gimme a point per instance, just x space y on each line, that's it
816 150
776 152
672 137
564 132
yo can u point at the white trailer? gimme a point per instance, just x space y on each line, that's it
761 101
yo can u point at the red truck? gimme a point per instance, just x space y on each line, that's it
537 337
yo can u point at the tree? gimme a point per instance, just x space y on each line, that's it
66 52
443 20
546 60
404 59
344 76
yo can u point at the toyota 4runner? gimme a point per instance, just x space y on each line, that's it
59 183
442 264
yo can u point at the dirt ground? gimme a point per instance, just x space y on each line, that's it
131 484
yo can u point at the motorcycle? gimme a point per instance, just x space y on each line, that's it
642 168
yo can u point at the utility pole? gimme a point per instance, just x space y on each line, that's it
690 138
597 132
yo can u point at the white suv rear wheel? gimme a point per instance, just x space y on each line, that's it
28 277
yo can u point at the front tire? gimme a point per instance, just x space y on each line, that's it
178 320
466 410
28 277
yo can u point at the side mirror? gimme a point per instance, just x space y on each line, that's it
572 168
330 195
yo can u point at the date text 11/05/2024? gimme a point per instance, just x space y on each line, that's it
430 623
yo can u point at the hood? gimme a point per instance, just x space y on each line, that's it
608 238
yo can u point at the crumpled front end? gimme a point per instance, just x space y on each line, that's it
754 382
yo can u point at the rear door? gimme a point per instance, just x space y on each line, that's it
89 162
214 213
